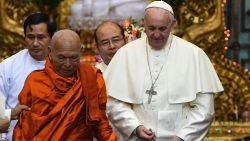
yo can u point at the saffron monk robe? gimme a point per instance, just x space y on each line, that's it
67 98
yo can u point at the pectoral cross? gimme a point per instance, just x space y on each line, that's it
150 93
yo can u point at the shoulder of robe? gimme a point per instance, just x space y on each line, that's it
134 44
185 44
37 75
88 68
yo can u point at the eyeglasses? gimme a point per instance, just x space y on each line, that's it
107 42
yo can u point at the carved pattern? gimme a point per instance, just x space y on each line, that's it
209 35
63 11
17 9
195 12
13 12
11 33
230 104
211 43
11 43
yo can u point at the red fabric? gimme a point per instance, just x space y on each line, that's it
58 107
90 92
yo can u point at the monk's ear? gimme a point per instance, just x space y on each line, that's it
82 48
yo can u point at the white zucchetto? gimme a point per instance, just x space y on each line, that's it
160 4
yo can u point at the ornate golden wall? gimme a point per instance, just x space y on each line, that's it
200 22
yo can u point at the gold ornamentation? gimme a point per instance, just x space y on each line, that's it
10 44
11 32
209 35
228 131
63 11
198 11
13 12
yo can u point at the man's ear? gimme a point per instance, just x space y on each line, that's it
173 24
96 46
49 51
126 39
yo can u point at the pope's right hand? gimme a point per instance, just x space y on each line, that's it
4 125
144 133
17 110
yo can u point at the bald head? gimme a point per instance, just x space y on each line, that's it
65 36
65 52
108 25
109 38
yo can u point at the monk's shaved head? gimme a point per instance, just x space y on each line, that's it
65 36
65 52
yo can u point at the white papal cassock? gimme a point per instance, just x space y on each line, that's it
184 104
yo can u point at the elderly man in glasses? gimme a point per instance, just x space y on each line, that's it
109 37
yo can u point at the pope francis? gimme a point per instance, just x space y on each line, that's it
160 86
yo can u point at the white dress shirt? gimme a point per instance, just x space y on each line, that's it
13 72
101 66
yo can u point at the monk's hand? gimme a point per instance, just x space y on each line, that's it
4 125
144 133
175 138
15 112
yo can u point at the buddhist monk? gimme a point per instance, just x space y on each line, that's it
67 98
